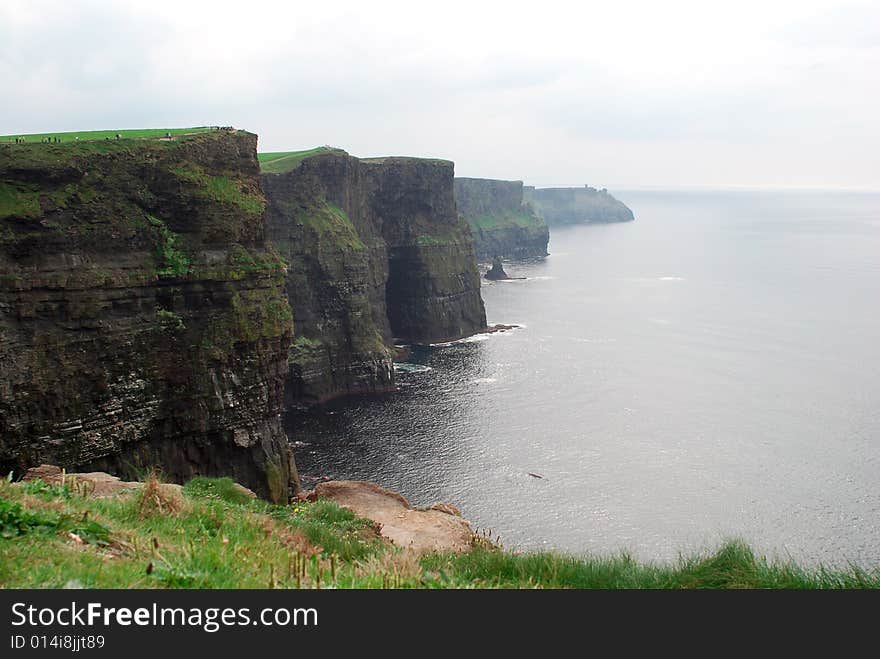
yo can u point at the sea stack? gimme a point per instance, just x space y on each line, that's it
497 270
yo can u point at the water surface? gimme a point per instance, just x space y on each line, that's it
711 370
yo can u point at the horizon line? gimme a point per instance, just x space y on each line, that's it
730 187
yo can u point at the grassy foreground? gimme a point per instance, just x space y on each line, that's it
211 535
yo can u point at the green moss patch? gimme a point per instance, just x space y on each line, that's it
171 258
26 200
19 200
304 349
506 218
222 189
331 224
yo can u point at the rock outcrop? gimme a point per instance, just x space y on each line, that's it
438 528
559 206
143 320
377 252
501 222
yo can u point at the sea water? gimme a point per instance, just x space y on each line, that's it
709 371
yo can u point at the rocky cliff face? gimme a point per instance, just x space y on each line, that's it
376 251
336 282
433 288
560 206
142 318
501 223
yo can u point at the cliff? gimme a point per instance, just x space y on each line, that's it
501 223
560 206
143 319
377 252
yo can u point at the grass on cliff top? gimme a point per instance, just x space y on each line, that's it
137 133
280 162
211 535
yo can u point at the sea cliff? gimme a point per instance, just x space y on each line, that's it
162 302
378 254
560 206
144 319
501 222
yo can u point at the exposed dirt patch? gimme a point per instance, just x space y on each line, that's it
423 531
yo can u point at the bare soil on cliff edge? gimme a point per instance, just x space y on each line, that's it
438 528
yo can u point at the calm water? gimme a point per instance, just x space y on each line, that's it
710 370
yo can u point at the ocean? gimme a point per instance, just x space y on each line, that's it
709 371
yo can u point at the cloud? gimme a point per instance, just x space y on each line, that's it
681 92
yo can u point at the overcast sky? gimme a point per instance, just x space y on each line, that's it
617 94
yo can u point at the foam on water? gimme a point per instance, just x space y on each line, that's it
406 367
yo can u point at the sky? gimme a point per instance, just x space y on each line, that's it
618 94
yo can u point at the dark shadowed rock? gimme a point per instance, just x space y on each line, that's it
496 272
376 251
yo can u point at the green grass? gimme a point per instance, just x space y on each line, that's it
222 189
304 349
284 161
89 135
220 489
22 200
216 536
171 258
331 225
733 566
15 521
16 200
504 219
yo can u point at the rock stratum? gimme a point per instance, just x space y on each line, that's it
561 206
501 222
161 300
377 253
143 319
